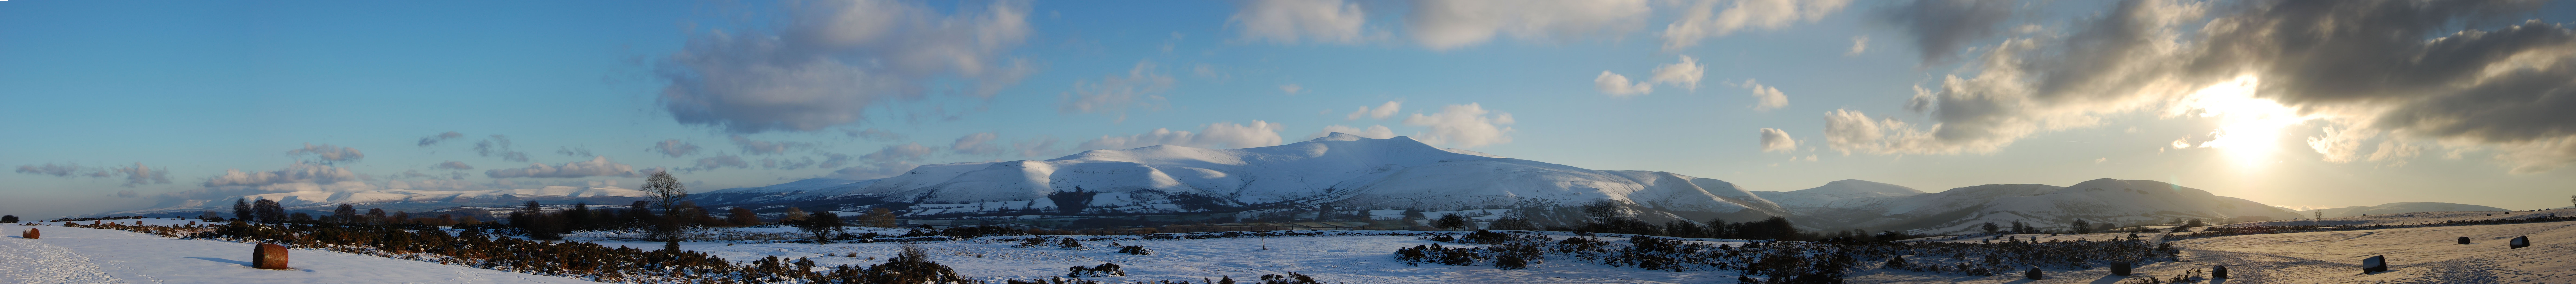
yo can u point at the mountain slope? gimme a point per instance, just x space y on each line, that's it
400 199
2099 201
1839 191
1336 174
2394 208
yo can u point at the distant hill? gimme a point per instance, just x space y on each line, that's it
2400 207
1339 176
1966 209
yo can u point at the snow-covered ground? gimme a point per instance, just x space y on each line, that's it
80 255
2416 255
2415 218
1362 257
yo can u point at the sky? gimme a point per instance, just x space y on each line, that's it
115 105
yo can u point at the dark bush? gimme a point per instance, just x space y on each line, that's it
1103 270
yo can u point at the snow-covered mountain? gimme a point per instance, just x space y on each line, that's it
2394 208
402 199
1335 173
1850 193
2112 201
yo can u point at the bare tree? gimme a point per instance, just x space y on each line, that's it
667 193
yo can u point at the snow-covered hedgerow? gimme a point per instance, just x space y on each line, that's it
583 260
1778 262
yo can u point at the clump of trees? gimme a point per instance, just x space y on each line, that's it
1605 217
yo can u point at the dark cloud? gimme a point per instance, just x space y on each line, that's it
452 165
597 166
886 162
786 164
979 143
1941 28
574 151
441 137
2477 72
719 162
757 147
60 170
327 154
832 60
873 134
499 146
673 148
137 174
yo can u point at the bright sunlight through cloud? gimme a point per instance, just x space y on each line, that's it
2249 128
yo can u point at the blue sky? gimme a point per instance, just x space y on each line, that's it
209 98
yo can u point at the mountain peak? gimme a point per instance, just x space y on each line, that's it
1861 188
1338 136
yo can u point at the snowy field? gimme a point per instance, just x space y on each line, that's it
78 255
2417 255
2416 218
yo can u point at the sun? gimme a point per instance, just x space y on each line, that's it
2249 128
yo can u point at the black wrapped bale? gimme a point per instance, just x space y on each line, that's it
2033 274
2464 240
2218 272
2375 263
2120 268
268 256
2518 242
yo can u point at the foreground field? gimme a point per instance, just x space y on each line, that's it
78 255
2417 255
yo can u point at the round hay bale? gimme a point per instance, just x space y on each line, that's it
32 233
268 256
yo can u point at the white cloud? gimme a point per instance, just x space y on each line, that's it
1291 89
1449 24
295 177
673 148
979 143
1465 126
1766 97
832 61
327 154
1618 85
1703 20
1685 73
1142 86
1859 44
1776 140
596 166
1215 135
1850 131
1382 111
1373 131
1290 21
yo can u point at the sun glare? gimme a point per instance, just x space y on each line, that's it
2249 128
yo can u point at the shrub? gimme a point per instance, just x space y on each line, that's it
1069 243
1135 250
1102 270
